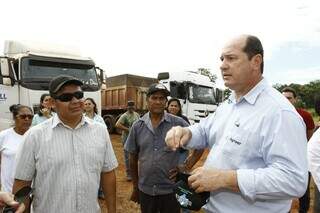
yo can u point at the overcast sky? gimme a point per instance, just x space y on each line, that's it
144 37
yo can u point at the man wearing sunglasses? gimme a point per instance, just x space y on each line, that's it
67 156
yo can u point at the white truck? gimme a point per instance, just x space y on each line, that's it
27 68
198 95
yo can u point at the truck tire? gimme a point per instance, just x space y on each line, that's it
116 130
109 120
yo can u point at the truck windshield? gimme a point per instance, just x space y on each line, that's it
201 94
36 74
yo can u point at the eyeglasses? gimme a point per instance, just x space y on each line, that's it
24 116
66 97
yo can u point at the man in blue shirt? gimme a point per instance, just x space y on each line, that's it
257 161
152 184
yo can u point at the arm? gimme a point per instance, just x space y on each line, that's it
120 123
309 124
108 184
122 127
131 146
203 179
194 137
133 162
309 133
193 158
7 199
314 157
17 185
283 150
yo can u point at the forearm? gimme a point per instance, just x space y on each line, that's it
193 158
108 183
122 127
229 180
198 137
133 162
17 185
271 183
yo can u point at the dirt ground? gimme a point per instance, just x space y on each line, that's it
124 187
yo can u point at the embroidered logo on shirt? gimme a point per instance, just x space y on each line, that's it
235 141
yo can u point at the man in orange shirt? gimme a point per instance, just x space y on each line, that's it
291 95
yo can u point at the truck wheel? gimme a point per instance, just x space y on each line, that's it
116 130
109 120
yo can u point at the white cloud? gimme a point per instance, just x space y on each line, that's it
146 37
298 76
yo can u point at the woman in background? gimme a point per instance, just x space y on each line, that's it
9 142
174 107
91 111
45 111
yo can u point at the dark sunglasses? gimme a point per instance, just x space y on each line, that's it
65 97
20 197
24 116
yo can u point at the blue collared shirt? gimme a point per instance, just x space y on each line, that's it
155 158
263 138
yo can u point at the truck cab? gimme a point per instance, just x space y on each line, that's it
197 93
27 68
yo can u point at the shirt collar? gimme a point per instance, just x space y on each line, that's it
252 95
57 122
165 117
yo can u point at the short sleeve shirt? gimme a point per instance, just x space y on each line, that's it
307 118
155 158
9 143
127 119
65 164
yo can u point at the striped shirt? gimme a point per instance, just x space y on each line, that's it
65 164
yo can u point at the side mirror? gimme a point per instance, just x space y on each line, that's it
219 95
4 68
6 72
100 73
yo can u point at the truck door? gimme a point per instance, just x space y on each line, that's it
8 92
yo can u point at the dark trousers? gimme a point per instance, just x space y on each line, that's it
316 207
159 203
304 201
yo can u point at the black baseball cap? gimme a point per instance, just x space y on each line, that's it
130 104
157 87
58 82
186 196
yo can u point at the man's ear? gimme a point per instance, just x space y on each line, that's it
53 103
256 61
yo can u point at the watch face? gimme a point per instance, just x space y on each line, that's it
22 194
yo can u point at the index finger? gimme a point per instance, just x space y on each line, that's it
21 208
170 139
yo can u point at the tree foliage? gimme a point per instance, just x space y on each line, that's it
306 92
207 72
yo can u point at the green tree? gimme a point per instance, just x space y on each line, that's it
207 72
306 92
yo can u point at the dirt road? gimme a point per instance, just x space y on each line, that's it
124 187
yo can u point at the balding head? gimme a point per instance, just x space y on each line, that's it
242 59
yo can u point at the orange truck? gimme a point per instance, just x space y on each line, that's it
118 91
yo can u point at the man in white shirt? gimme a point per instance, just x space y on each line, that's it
257 161
67 156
